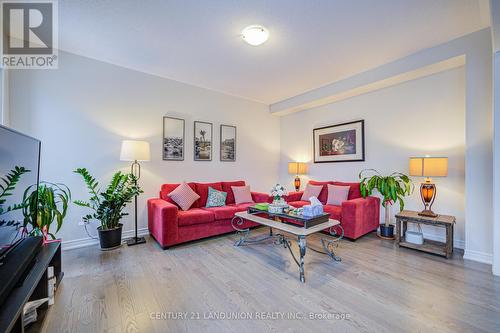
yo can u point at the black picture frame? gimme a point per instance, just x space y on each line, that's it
222 144
358 125
183 148
195 143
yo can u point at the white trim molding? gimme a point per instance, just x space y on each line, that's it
84 242
486 258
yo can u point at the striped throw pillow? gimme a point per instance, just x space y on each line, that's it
184 196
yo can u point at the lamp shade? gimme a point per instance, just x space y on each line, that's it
297 168
429 166
135 151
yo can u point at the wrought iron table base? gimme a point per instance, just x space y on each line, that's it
280 239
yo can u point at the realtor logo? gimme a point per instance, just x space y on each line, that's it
29 34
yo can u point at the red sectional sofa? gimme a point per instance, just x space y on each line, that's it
358 216
170 225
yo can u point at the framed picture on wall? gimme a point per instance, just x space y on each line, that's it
227 143
202 141
339 143
173 139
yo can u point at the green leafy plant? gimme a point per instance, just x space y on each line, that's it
393 187
7 186
44 206
108 205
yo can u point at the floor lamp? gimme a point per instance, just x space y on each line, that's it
135 151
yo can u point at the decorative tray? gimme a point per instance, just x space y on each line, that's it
306 221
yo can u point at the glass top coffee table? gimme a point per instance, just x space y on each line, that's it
290 225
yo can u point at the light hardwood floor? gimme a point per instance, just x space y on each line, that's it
380 288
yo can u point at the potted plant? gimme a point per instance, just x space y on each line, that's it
7 186
42 206
393 187
108 205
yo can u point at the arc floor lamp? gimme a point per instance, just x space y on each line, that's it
135 151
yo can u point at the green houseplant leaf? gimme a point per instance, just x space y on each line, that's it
107 205
393 188
7 186
44 206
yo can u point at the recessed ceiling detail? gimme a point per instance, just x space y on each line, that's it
311 44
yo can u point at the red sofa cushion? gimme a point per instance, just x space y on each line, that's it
298 204
167 188
194 216
227 212
202 190
354 191
334 211
323 195
226 187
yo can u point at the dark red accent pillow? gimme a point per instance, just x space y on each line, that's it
354 191
226 187
167 188
202 190
323 195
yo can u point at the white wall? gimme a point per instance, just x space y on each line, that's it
477 50
83 110
419 117
496 166
495 30
4 97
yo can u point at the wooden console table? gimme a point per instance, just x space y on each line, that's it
439 248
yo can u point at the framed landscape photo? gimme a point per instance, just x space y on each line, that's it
340 143
227 143
202 141
173 139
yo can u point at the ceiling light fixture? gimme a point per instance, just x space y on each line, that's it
255 35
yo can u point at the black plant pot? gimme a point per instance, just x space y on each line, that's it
110 238
387 232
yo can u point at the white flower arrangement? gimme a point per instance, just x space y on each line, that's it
278 191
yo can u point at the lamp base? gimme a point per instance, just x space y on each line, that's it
136 241
296 183
428 213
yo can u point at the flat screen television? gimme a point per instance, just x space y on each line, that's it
17 151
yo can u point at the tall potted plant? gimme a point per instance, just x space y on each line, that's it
393 187
108 205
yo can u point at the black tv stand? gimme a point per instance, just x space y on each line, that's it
35 286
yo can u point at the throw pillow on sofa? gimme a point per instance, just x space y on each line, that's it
184 196
337 194
242 194
311 191
215 198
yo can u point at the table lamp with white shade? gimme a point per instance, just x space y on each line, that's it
135 151
428 167
297 168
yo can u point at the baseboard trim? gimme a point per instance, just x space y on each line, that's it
496 270
478 256
84 242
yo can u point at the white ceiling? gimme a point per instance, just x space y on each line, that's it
311 43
